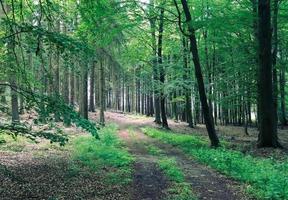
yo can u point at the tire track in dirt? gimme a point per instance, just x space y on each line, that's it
149 183
207 183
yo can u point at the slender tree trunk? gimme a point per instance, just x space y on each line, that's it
123 94
198 74
187 87
92 85
155 71
102 94
128 109
175 107
72 87
84 93
14 99
65 86
162 70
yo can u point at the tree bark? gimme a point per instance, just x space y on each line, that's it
274 58
84 93
162 70
14 99
187 89
198 74
267 123
92 85
155 71
102 94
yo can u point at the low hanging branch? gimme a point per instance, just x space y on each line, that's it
47 106
21 129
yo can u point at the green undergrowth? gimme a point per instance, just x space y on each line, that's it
14 144
107 156
178 189
266 178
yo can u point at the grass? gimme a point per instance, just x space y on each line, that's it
17 144
178 189
106 156
171 170
265 178
152 150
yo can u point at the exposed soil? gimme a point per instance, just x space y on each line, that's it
149 183
207 183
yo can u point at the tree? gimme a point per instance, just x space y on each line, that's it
102 93
198 74
267 122
92 85
162 70
186 78
157 107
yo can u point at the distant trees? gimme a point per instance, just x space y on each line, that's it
130 56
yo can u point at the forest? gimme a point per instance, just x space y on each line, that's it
143 99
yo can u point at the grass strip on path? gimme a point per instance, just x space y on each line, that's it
179 189
265 178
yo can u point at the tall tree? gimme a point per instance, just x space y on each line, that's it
161 69
199 76
152 21
187 86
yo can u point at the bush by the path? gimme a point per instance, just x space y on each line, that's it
265 178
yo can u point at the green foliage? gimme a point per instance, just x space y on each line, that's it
265 178
105 155
50 107
8 143
17 129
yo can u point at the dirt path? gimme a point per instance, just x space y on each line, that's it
149 183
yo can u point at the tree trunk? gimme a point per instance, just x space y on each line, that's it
198 74
187 87
155 71
92 85
267 123
102 94
14 99
84 93
72 88
282 95
162 71
274 58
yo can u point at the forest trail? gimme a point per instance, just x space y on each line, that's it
149 182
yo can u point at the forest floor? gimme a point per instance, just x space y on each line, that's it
42 170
